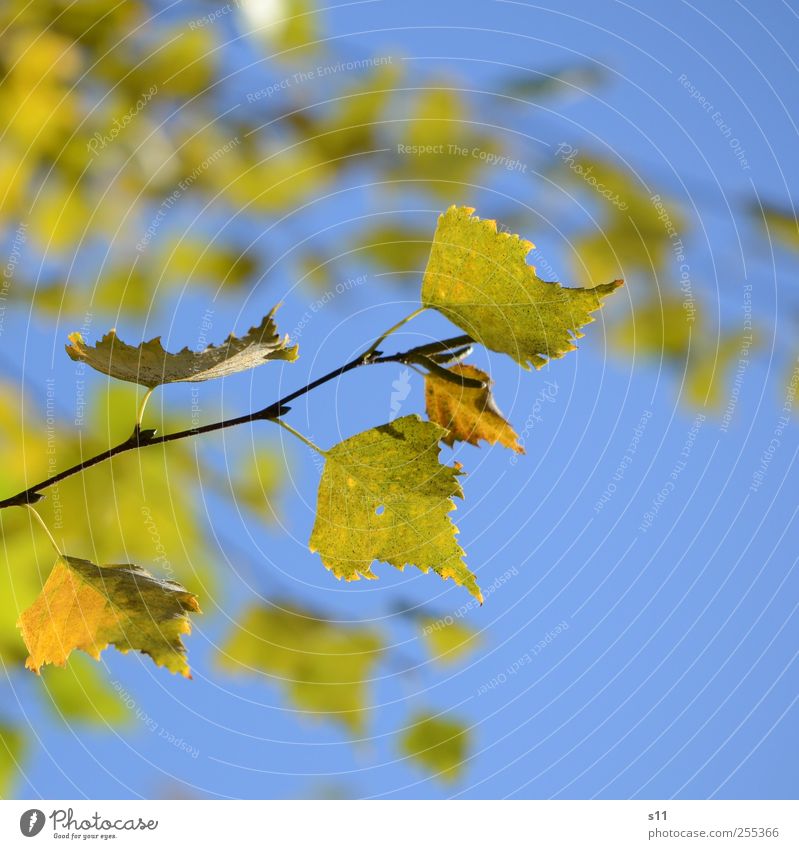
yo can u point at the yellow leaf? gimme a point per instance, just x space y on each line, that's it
384 495
479 279
469 415
87 607
150 365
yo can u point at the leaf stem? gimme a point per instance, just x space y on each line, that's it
299 436
145 438
41 521
380 339
140 414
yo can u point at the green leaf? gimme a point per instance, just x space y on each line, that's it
479 279
384 495
150 365
87 607
440 745
12 747
469 415
324 666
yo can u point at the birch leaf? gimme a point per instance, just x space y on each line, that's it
468 415
480 280
87 607
384 495
150 365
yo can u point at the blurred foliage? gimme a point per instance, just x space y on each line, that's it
780 224
324 667
449 641
12 747
438 744
79 692
120 127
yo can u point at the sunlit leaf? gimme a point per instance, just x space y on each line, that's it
479 279
384 495
88 607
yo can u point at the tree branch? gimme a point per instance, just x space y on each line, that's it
143 438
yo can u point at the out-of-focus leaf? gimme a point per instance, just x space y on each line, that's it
437 144
639 231
352 124
87 607
277 178
58 219
150 365
397 249
467 414
384 495
256 481
12 748
221 265
479 279
79 692
569 79
781 224
659 327
178 63
667 329
438 744
448 640
325 667
709 367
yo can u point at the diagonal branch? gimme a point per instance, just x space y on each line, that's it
143 438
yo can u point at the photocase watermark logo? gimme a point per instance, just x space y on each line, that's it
66 825
402 389
32 822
